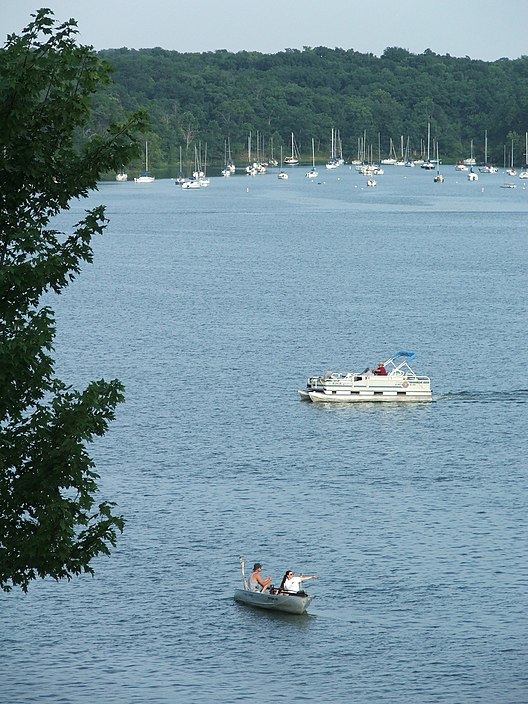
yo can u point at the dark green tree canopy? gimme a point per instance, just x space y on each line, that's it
311 91
49 523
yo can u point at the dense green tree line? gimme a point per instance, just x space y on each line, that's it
212 96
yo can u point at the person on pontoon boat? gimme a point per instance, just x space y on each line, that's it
380 371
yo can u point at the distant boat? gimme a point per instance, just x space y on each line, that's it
254 167
512 171
121 176
471 161
487 168
312 173
181 178
292 160
145 177
229 167
439 177
336 157
191 184
428 164
524 171
282 175
198 179
391 159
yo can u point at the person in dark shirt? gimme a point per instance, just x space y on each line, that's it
380 371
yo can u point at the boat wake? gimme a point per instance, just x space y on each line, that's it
513 396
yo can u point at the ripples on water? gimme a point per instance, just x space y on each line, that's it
213 307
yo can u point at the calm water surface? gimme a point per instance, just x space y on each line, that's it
213 307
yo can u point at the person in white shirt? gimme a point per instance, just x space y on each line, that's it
291 583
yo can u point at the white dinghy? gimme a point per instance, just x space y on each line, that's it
272 600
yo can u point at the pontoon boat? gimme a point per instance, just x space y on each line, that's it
395 382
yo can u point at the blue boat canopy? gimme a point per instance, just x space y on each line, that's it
409 355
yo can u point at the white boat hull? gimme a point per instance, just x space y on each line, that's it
290 604
363 396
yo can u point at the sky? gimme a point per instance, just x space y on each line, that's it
480 29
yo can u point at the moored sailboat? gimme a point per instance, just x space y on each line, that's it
282 175
487 168
439 178
292 160
145 177
313 173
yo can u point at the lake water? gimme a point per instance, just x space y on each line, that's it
213 307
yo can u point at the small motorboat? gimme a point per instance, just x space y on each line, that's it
191 184
393 380
271 599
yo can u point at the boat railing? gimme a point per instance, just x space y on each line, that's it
285 592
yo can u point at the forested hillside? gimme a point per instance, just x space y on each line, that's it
210 97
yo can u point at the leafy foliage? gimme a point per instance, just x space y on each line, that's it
49 522
310 91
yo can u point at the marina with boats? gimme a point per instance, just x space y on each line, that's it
259 164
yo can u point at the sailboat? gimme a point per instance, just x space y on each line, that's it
312 173
145 177
292 160
181 178
524 172
336 155
439 177
202 175
377 170
391 159
122 175
512 171
487 168
282 175
466 163
471 161
507 184
428 164
195 182
251 168
226 171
